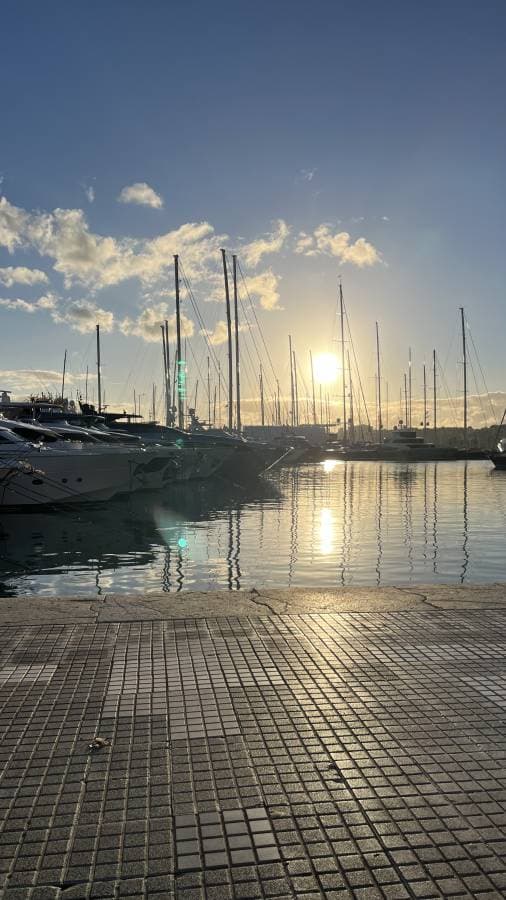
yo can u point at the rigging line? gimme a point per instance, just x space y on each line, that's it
479 396
448 396
256 319
492 408
357 369
201 322
270 386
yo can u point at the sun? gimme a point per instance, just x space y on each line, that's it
326 368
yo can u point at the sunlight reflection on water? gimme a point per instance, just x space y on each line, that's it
322 525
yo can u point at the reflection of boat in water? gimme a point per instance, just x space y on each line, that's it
128 531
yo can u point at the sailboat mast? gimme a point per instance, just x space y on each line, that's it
262 407
406 416
167 398
296 389
464 353
167 353
409 384
292 392
63 375
312 386
345 424
236 327
86 387
380 421
99 374
424 401
179 360
208 392
352 419
434 393
229 343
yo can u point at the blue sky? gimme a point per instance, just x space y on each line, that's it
287 123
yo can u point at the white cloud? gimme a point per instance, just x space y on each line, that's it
47 301
264 286
270 243
323 241
12 223
21 275
147 324
90 193
24 382
83 315
308 174
141 194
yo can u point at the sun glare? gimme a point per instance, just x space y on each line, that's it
326 368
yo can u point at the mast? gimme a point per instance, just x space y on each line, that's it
167 397
434 394
296 389
99 374
380 421
409 383
424 401
352 419
278 404
229 343
262 407
464 353
170 418
179 360
292 391
312 386
345 432
154 402
208 392
236 325
405 400
63 376
86 387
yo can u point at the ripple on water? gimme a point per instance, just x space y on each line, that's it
355 523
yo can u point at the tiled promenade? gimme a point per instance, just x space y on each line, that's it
336 755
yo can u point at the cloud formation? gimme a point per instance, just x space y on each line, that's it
141 194
83 315
21 275
47 301
24 382
148 322
269 243
323 241
265 288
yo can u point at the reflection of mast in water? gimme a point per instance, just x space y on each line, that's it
465 522
344 547
237 577
179 571
293 527
408 516
379 516
434 529
230 573
425 514
166 570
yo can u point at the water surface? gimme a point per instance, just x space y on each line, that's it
321 525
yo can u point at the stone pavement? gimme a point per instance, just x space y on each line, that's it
338 755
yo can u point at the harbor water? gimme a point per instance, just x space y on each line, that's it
322 525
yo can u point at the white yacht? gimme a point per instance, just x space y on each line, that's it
37 466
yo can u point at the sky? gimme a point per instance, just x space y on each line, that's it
364 141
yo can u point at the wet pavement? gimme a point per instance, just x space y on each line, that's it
316 755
